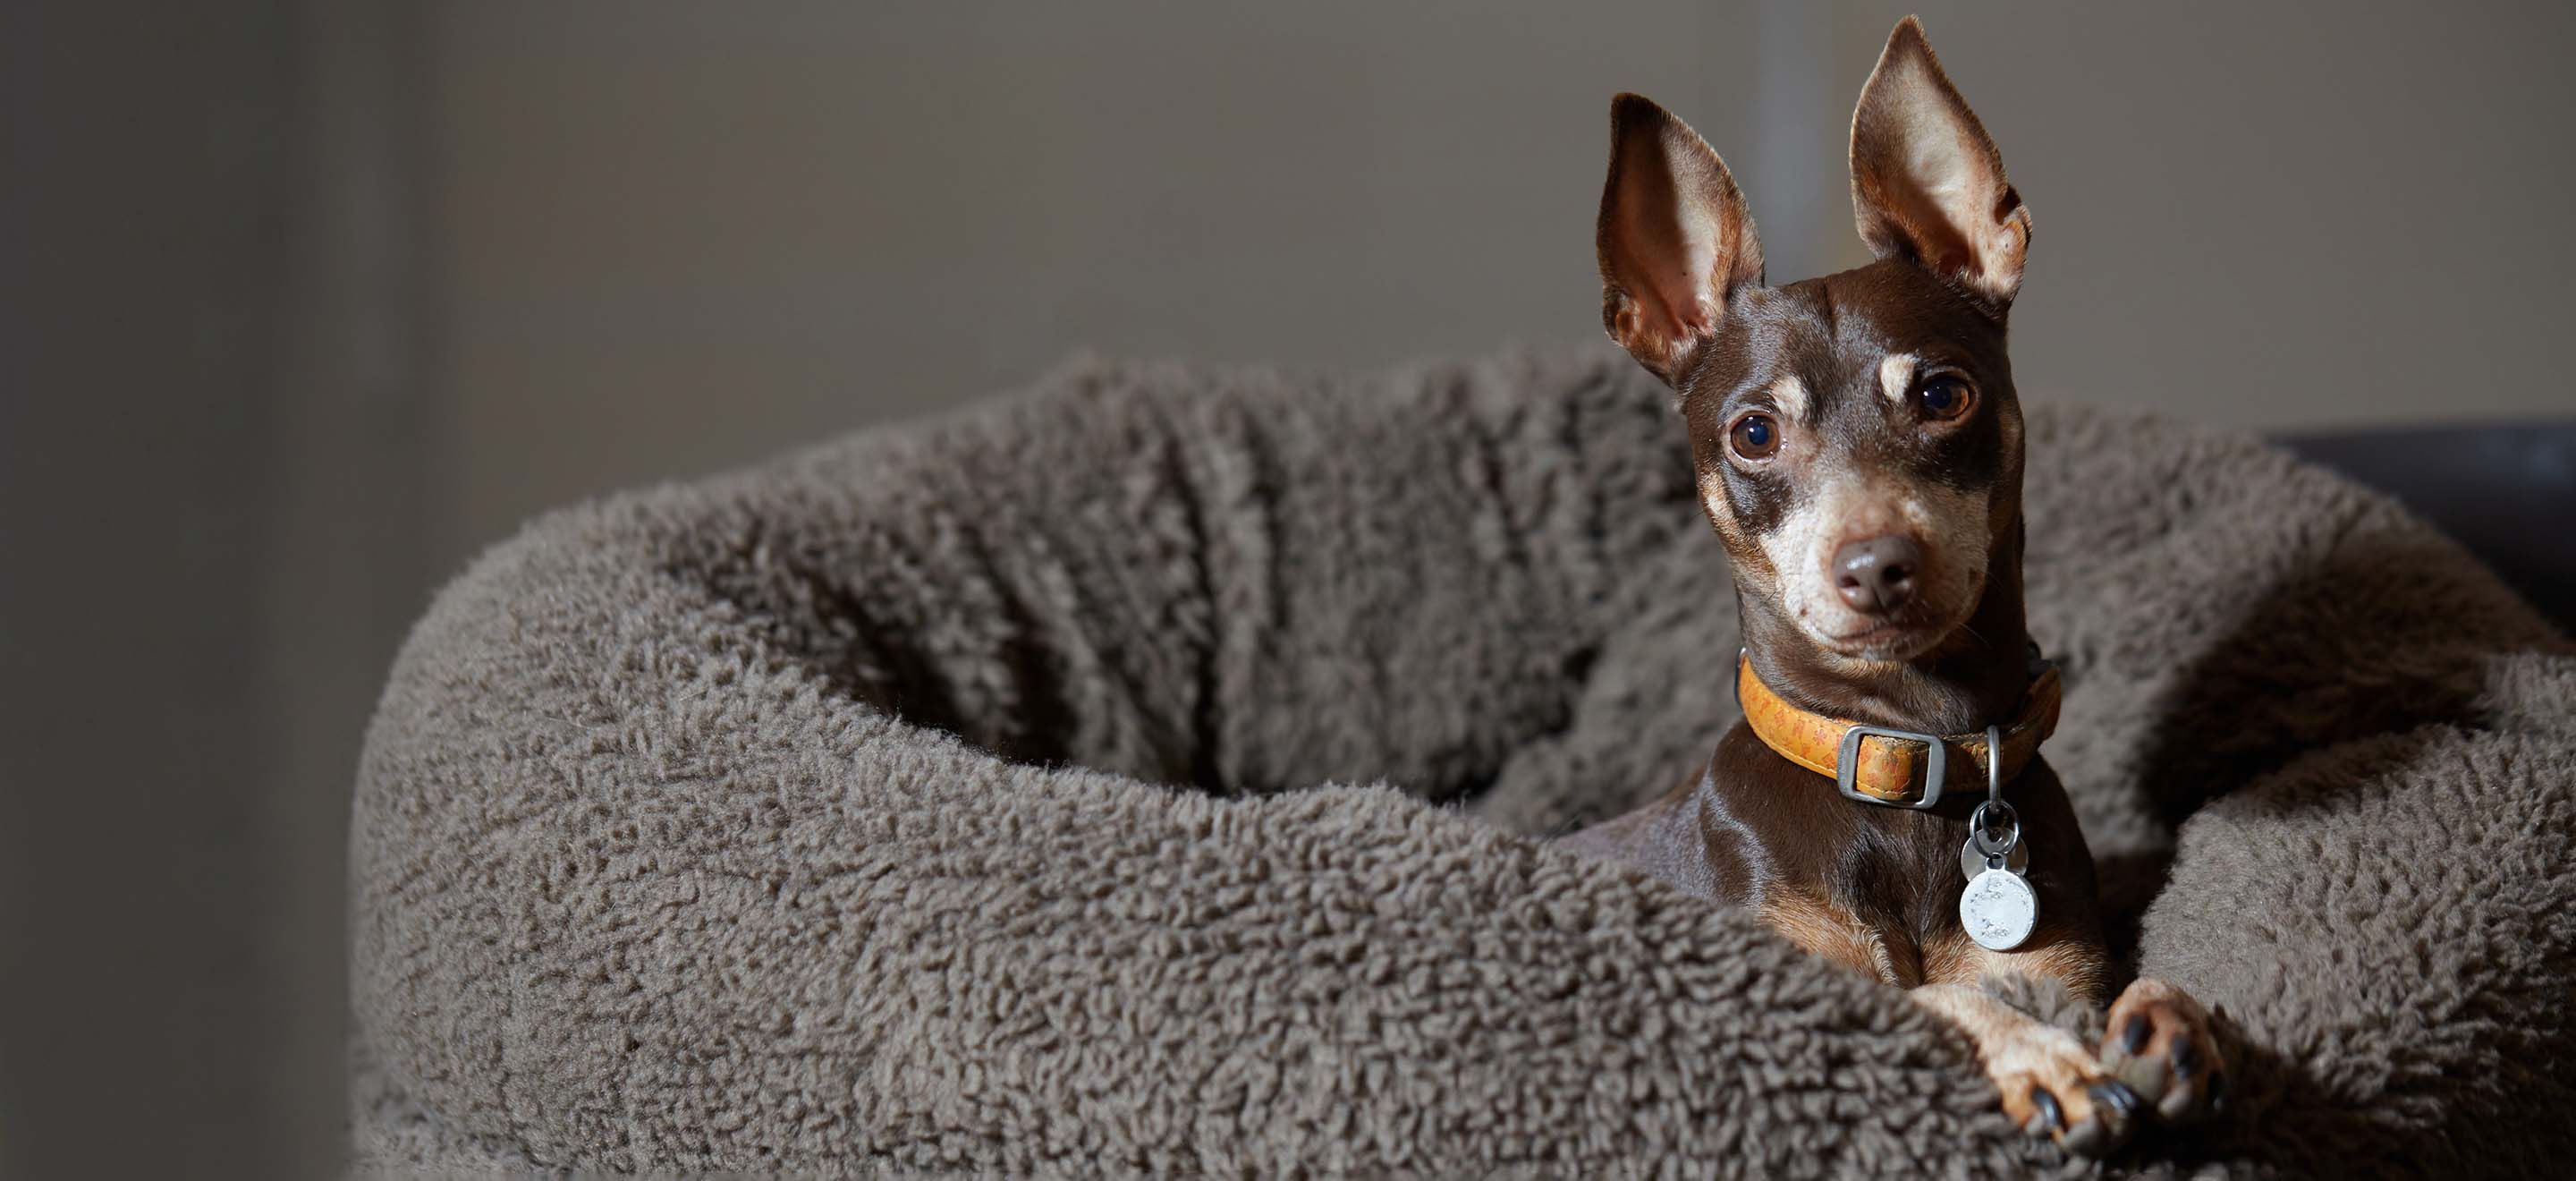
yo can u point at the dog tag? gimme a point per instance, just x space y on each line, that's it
1998 908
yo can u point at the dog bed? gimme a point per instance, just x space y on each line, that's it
1141 775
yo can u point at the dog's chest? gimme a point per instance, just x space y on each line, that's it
1770 834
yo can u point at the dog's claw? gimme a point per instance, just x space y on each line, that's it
2114 1118
2134 1036
2185 1058
2050 1116
2118 1113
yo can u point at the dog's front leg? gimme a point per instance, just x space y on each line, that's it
2158 1054
2052 1084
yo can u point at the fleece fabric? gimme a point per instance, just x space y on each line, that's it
1150 773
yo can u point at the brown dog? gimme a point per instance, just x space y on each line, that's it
1858 446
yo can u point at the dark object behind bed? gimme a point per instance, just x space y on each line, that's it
2508 492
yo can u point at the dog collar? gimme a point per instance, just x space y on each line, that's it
1884 765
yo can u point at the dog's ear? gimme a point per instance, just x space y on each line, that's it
1674 238
1927 183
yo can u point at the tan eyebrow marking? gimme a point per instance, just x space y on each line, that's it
1790 394
1896 375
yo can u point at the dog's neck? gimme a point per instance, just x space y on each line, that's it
1973 678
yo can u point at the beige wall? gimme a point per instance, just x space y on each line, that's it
674 235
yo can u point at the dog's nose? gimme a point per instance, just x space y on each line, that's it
1876 575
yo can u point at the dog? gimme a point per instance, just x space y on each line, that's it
1857 444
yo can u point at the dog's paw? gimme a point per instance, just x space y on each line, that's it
2052 1087
2158 1044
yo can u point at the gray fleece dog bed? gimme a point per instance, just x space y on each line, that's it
1138 775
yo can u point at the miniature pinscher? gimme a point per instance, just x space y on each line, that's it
1857 444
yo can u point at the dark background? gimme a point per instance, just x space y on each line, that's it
301 304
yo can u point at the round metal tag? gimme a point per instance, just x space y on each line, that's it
1998 909
1972 862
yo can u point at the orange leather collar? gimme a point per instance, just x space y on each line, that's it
1887 768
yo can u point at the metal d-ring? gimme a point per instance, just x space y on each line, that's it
1994 805
1995 765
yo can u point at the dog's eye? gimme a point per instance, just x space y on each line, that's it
1755 436
1944 398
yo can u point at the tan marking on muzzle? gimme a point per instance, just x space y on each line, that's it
1951 525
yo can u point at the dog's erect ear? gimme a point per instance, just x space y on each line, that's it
1674 237
1927 183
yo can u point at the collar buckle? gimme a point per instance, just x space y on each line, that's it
1936 765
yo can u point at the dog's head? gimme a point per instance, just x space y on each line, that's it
1856 437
